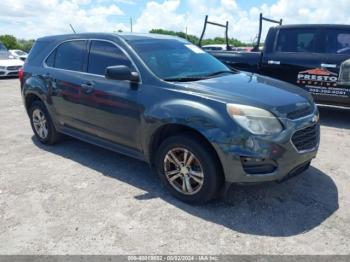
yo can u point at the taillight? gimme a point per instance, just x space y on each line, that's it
20 74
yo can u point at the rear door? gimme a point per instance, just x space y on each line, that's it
64 73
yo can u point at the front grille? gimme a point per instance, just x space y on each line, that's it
300 112
13 68
306 139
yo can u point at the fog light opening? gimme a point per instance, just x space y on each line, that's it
255 166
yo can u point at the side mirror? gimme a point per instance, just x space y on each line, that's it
122 73
344 75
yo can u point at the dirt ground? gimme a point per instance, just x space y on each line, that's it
76 198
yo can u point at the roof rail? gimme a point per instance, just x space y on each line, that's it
261 19
206 21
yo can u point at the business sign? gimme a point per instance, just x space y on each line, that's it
320 81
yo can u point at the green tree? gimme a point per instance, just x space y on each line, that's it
193 39
12 43
9 41
25 45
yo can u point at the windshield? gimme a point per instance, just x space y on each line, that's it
2 47
172 58
19 52
4 55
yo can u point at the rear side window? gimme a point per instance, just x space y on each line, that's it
70 55
104 54
337 41
297 40
50 61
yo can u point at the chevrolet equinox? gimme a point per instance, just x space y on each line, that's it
165 101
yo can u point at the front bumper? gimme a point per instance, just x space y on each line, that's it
279 152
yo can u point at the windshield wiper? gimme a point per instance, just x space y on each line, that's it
221 72
185 79
199 77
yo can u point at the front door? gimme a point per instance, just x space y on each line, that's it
293 52
305 57
111 108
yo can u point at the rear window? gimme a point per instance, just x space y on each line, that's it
70 55
337 41
37 52
297 40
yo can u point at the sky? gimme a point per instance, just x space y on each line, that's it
36 18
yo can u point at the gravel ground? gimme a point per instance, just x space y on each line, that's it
75 198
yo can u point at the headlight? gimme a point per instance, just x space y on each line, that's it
256 120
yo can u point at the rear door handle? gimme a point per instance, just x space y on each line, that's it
274 62
88 87
328 65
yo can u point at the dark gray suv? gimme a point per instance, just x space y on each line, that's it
165 101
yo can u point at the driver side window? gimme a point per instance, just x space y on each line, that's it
104 54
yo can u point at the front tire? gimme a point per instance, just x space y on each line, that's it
189 169
42 125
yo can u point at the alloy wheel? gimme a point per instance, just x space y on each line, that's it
40 123
184 171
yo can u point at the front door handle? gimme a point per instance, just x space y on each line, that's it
328 65
87 87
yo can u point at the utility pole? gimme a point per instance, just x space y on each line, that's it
131 24
186 34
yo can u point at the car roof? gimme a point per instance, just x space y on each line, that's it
125 36
331 26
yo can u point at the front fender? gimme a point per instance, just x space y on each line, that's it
209 119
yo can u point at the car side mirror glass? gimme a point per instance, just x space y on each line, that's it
344 75
122 72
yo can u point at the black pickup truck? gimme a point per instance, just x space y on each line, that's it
314 57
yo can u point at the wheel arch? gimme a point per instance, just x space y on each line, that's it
171 129
30 98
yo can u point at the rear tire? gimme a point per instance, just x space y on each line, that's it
189 169
42 125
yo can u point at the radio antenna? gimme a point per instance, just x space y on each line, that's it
72 28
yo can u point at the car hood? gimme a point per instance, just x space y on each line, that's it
11 62
250 89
